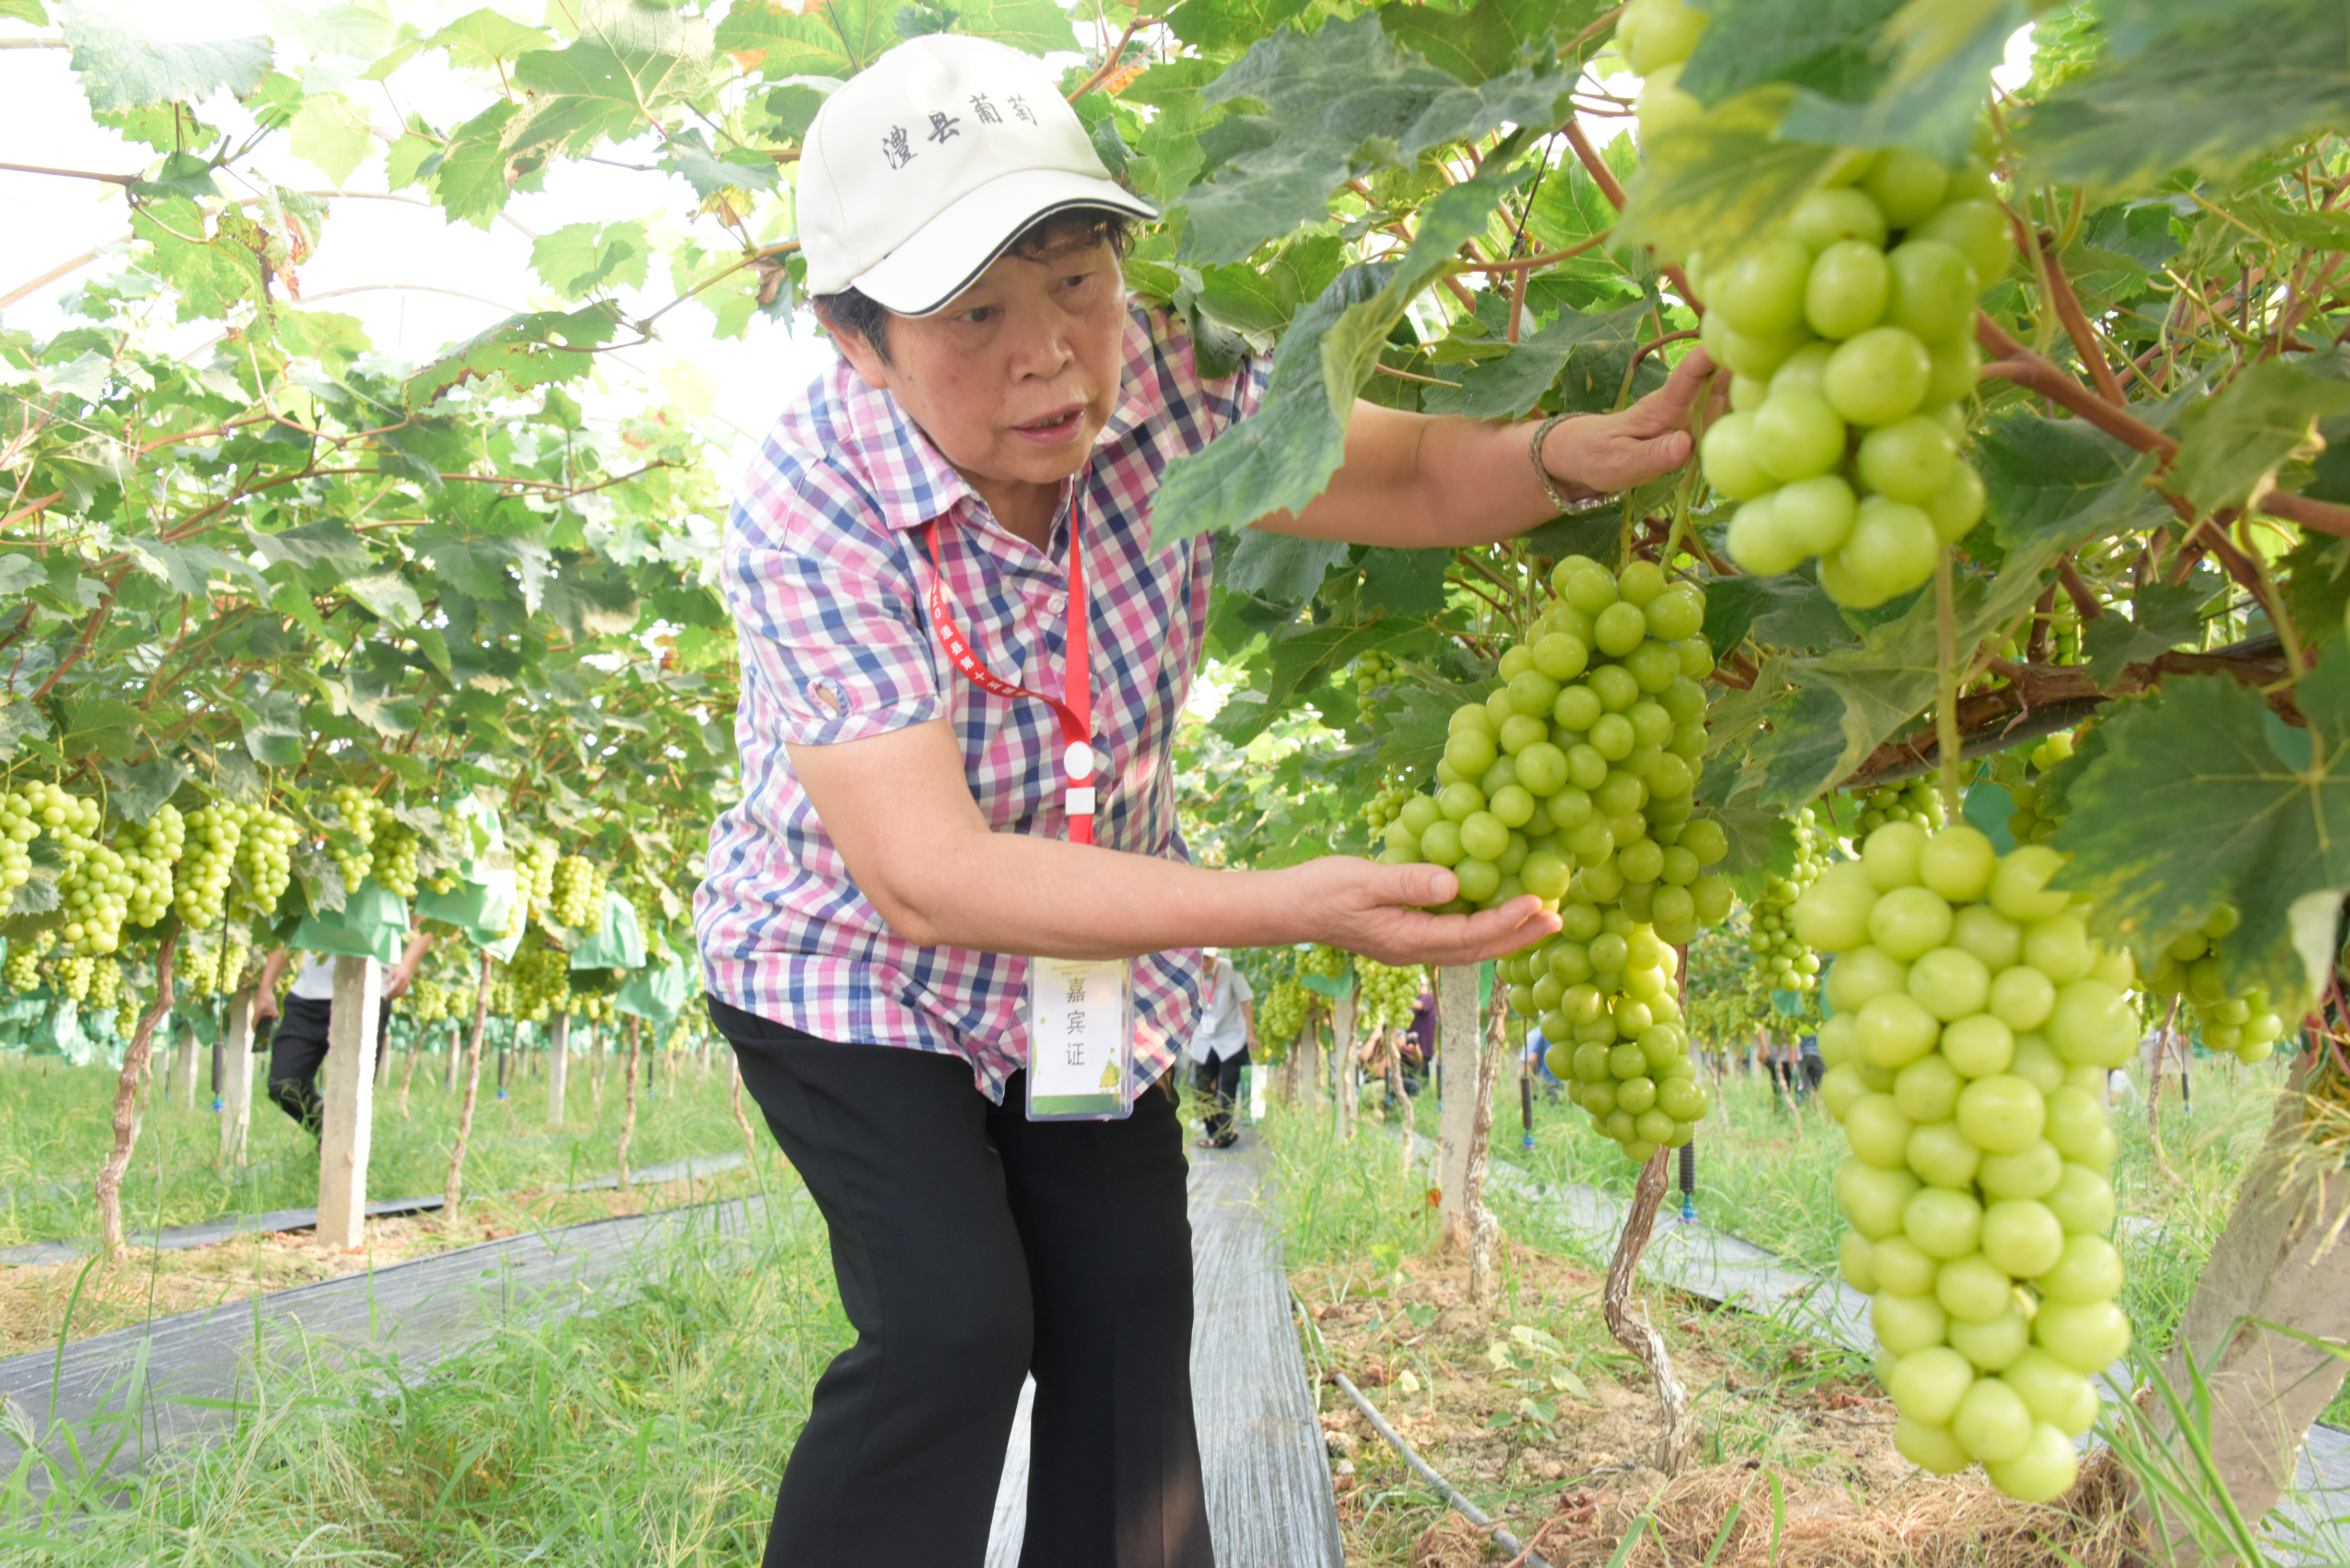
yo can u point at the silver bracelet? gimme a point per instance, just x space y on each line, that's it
1533 449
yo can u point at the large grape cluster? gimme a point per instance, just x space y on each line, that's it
351 846
430 1002
396 849
1781 959
72 972
200 878
213 966
535 878
23 971
148 854
2242 1021
94 887
1324 960
1850 340
1385 994
541 978
1283 1011
1591 748
19 825
577 896
1974 1019
104 993
264 860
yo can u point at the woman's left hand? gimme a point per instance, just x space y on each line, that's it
1612 453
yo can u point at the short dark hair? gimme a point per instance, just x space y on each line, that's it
1079 228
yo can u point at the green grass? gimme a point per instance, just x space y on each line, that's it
55 1129
650 1433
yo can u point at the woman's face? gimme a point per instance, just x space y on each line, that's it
1014 379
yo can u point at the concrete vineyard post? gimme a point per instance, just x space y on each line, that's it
558 1058
236 1078
1460 1054
184 1063
2279 1260
350 1095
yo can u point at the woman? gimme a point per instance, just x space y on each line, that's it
934 706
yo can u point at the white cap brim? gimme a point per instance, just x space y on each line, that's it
946 255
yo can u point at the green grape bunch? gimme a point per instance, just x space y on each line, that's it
535 878
1385 994
1373 671
19 825
2027 824
23 971
396 850
541 977
1385 806
1283 1011
1850 340
1325 961
150 856
1780 959
72 972
201 877
104 991
576 893
1575 781
2242 1021
94 887
1918 802
351 846
265 861
1973 1021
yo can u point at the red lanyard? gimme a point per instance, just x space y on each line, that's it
1074 707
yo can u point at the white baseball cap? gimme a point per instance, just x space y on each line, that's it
921 169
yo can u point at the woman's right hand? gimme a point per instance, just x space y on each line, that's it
1374 909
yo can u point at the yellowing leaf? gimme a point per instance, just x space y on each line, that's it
331 133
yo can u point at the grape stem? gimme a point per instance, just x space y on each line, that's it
1946 662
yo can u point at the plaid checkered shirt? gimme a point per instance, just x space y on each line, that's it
825 570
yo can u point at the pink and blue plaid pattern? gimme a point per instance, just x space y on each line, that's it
823 566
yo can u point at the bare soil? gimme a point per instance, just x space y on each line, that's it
1795 1467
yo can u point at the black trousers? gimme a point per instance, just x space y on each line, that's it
973 1247
298 1048
1219 1082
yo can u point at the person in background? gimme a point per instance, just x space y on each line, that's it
1811 1067
1420 1050
1219 1046
298 1048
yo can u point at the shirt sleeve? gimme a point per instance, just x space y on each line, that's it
826 610
1241 989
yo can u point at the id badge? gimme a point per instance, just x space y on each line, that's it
1080 1039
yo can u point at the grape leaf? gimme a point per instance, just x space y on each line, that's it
332 133
1486 39
1507 385
1407 582
529 350
1343 101
2234 443
838 40
688 154
1823 45
2161 617
579 258
1716 183
485 40
2218 87
123 66
592 92
2065 479
1931 102
136 792
19 720
31 11
1280 567
1217 25
472 175
1302 657
1875 689
2199 796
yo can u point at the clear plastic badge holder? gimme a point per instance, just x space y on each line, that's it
1080 1039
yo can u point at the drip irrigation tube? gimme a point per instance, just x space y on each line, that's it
1518 1550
